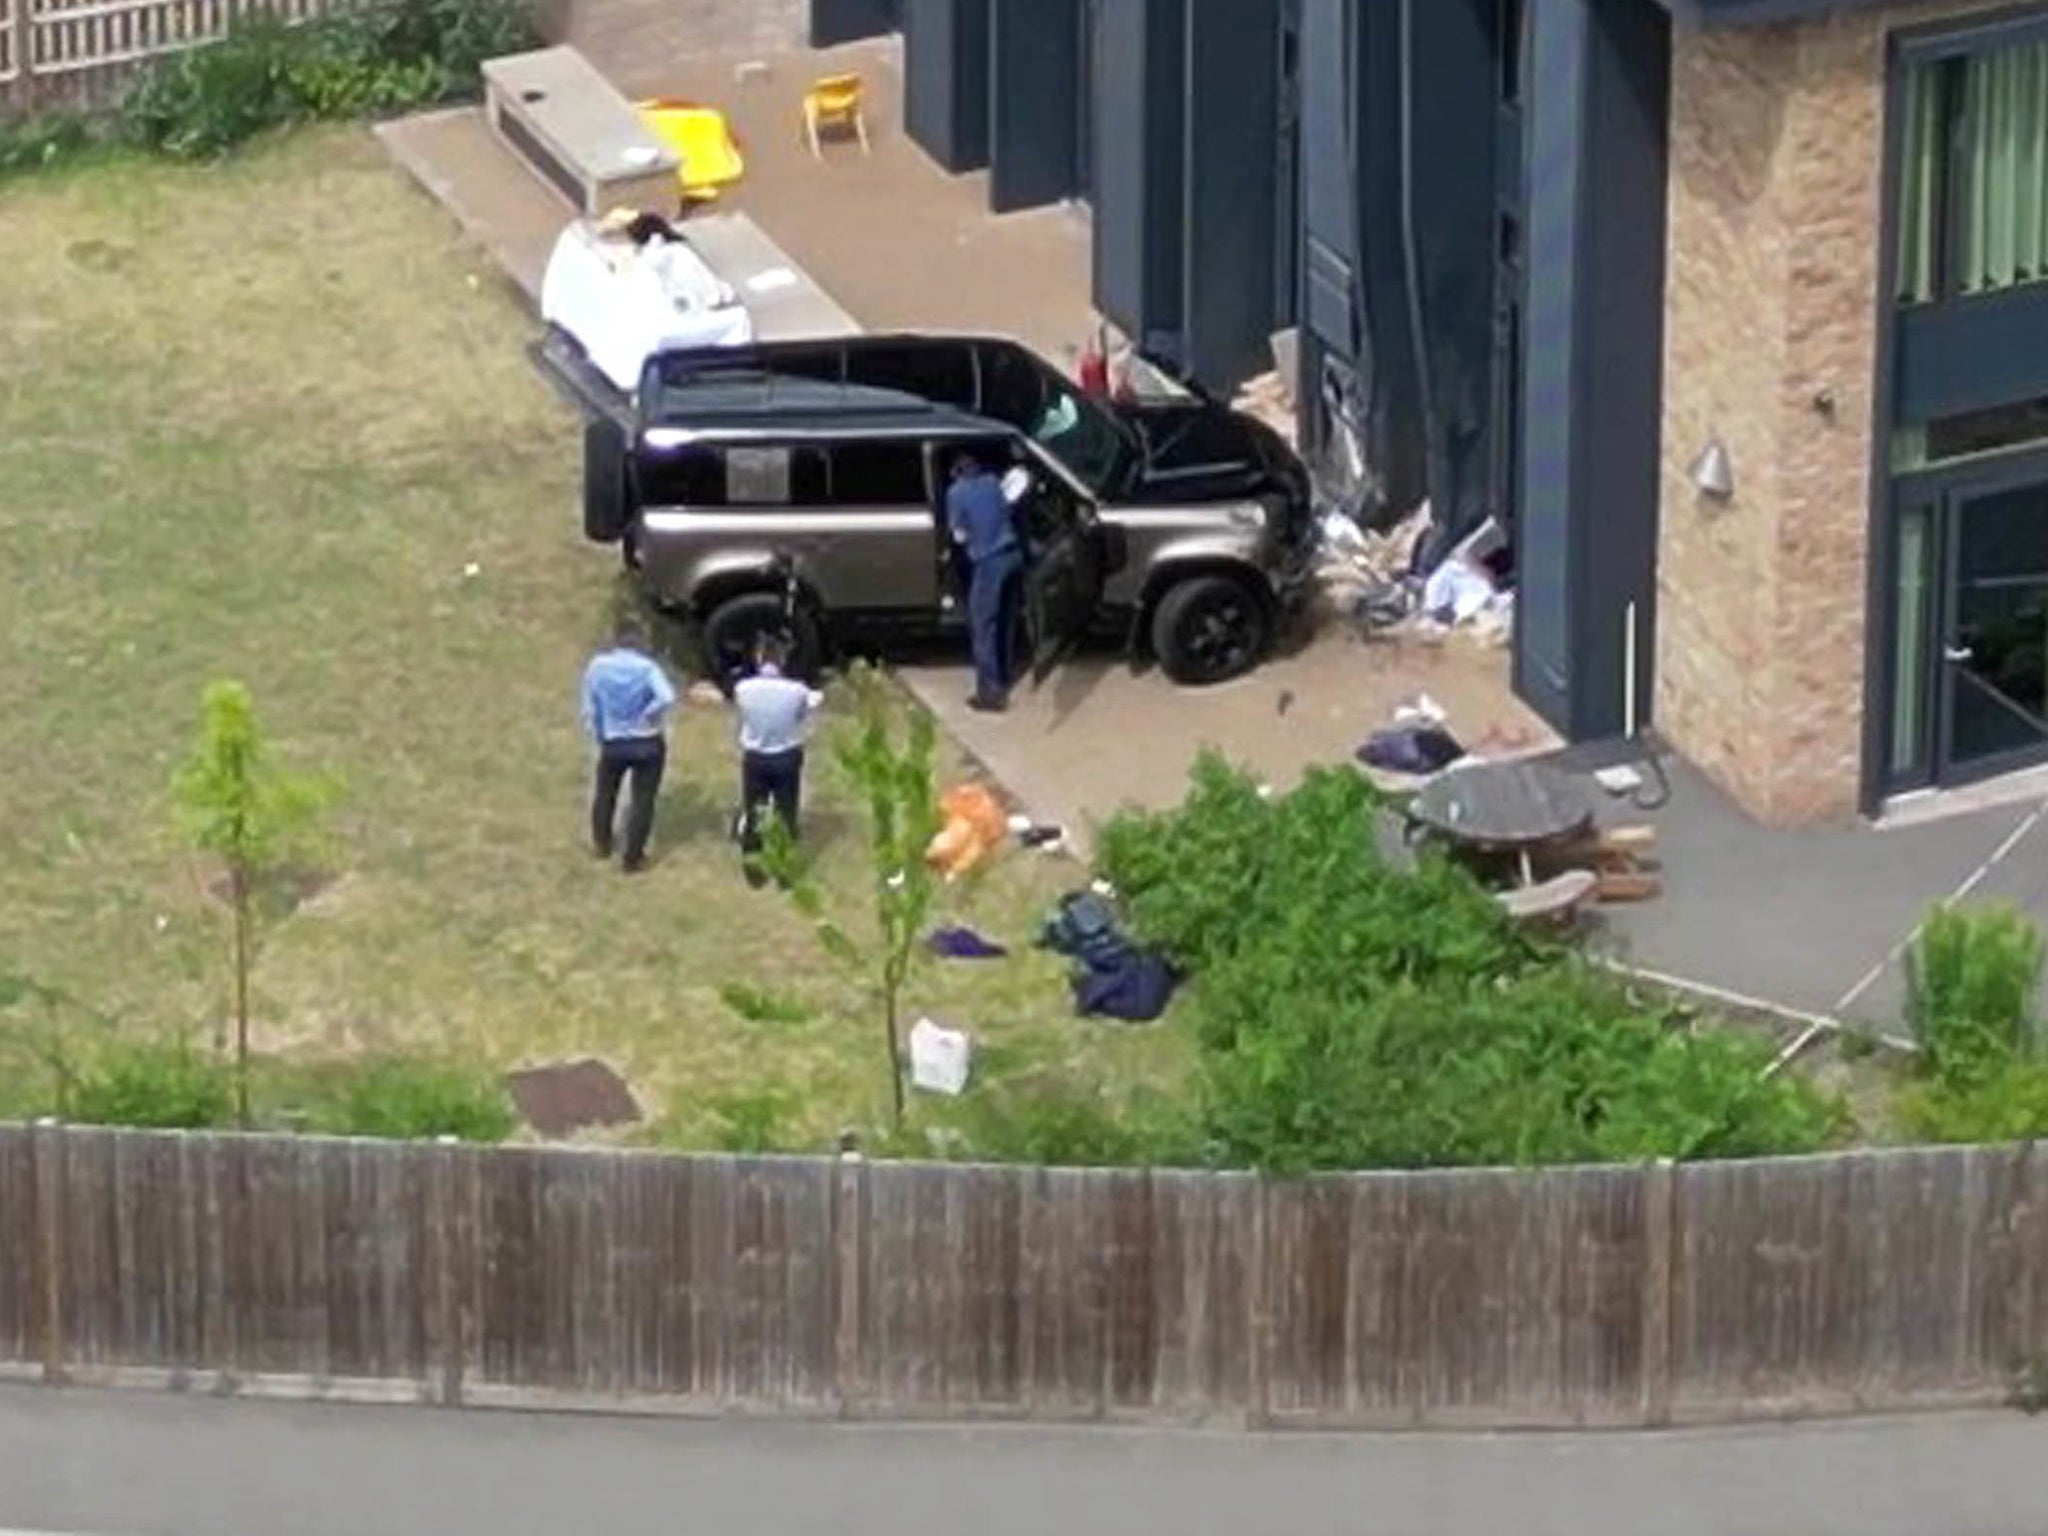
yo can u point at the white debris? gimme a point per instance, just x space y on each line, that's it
939 1058
472 571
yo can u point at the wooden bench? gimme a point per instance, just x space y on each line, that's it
1620 857
1554 903
580 136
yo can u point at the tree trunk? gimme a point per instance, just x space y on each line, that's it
895 1054
239 882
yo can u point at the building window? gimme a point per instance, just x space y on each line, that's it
1973 175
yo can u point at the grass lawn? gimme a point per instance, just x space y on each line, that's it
255 421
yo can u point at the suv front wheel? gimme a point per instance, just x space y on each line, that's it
1208 629
733 632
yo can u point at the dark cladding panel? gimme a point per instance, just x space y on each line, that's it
846 21
1329 205
1140 160
1555 133
1452 200
1593 365
945 80
1035 68
1233 127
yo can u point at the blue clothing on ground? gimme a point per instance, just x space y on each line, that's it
979 518
626 696
989 596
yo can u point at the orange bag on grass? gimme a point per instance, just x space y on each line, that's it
976 826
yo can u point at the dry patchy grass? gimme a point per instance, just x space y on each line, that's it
255 420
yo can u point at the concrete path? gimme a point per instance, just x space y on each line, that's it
1099 735
114 1465
1813 919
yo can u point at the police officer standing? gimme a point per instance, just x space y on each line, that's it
978 516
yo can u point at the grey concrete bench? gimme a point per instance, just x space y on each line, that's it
581 137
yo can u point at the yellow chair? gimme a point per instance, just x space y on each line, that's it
708 158
835 102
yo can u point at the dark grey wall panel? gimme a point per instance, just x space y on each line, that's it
1593 373
1035 72
845 21
1231 200
1554 124
1356 294
945 80
1329 202
1451 198
1140 163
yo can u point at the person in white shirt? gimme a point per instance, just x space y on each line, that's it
775 716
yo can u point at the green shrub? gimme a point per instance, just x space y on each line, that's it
155 1087
2009 1105
752 1122
1971 979
384 57
34 143
1073 1125
401 1099
1355 1014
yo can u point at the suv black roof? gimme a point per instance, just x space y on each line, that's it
803 384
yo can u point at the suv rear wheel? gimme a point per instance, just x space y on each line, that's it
735 628
1208 629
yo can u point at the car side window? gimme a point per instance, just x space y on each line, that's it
879 474
766 476
686 477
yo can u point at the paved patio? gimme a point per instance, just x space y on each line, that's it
1810 921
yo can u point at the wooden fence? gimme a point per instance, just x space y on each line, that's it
1605 1296
79 53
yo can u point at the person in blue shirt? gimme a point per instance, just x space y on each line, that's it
978 517
626 703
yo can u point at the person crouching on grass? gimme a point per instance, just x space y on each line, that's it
626 701
774 718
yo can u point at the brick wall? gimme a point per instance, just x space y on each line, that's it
1776 189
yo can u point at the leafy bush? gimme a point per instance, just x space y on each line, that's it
1063 1124
154 1087
1355 1013
2010 1105
384 57
1971 979
32 143
400 1099
752 1122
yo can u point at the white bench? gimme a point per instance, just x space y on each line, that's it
583 138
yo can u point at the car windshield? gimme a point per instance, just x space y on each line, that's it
1021 391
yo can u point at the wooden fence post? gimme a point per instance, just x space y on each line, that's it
849 1228
46 1146
2030 1274
1660 1241
1258 1295
446 1251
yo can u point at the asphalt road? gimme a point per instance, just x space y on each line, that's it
107 1464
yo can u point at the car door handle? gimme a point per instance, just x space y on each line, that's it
1959 654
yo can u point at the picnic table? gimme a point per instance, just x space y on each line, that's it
1513 810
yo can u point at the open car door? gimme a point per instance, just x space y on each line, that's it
1063 588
